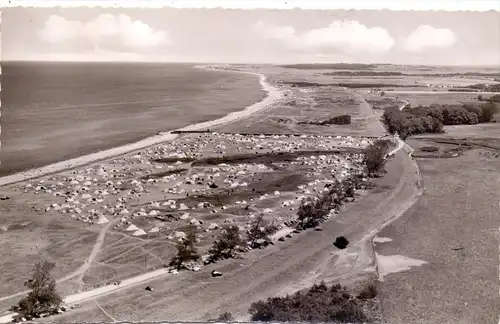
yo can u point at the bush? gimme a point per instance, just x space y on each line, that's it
260 230
43 297
314 211
369 291
224 317
488 111
227 244
317 304
186 251
374 158
340 120
431 149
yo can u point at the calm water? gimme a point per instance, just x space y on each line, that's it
56 111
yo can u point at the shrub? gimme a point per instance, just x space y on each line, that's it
340 120
374 157
369 291
227 244
186 251
260 229
43 297
317 304
488 111
224 317
314 211
429 149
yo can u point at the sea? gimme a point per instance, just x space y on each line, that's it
52 112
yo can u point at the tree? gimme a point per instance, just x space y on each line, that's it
374 158
226 245
260 229
186 251
43 297
488 111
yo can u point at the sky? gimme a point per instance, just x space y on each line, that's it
251 36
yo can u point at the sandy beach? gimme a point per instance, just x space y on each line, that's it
273 94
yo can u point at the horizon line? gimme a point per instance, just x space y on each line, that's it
247 63
408 5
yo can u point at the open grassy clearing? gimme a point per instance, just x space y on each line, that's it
454 228
28 236
427 99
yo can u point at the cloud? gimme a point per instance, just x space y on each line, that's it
427 37
130 33
343 36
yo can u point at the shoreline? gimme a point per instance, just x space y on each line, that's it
272 94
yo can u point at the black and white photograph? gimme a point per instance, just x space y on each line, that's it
174 164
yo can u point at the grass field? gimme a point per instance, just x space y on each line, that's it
28 236
454 227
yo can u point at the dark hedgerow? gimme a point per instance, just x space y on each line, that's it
314 211
419 120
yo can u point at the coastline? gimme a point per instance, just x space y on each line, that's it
273 94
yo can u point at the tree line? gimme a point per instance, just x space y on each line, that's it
419 120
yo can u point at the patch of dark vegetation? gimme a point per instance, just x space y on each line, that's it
374 85
364 73
341 242
419 120
462 90
383 103
260 184
164 174
174 160
494 98
457 149
375 157
429 149
228 245
190 132
467 114
319 303
43 299
368 291
186 251
337 120
268 157
330 66
259 232
315 210
224 317
305 84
